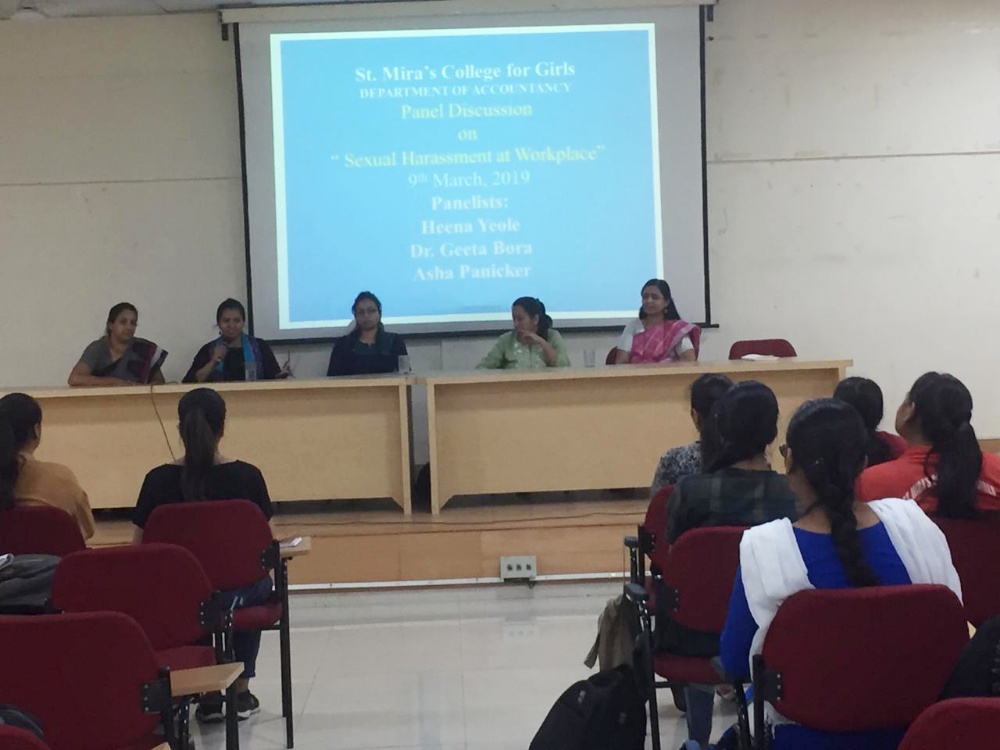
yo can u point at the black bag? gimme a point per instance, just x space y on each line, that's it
977 673
605 712
26 584
15 717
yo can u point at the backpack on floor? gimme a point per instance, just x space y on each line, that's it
605 712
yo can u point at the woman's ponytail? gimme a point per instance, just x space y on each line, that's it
10 463
943 406
960 462
20 417
202 414
827 441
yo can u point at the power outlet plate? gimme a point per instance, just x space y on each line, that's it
518 567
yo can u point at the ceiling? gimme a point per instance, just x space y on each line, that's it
79 8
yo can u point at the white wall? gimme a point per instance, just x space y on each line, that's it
854 178
854 184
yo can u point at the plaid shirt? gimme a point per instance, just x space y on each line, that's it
729 497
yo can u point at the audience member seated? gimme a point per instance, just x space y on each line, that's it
836 543
944 469
234 352
738 489
658 334
866 397
368 348
533 344
119 357
25 479
205 474
684 460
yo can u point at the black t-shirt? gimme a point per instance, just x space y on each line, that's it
350 356
233 367
235 480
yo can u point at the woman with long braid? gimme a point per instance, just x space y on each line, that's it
837 542
943 469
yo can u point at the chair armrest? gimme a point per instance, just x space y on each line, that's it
636 593
214 679
632 542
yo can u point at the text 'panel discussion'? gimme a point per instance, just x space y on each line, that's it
499 375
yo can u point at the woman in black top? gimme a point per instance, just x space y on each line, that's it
226 358
205 474
368 348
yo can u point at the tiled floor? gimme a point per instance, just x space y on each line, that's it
444 669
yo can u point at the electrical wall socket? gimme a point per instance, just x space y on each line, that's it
518 567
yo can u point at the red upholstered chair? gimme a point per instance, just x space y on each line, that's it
234 544
612 356
92 680
39 530
841 660
14 738
766 347
644 545
974 545
698 575
962 723
164 589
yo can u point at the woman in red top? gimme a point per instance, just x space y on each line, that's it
944 469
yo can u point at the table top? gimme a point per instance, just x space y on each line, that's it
680 369
199 680
302 548
392 380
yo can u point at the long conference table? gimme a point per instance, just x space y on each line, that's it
330 439
582 429
350 438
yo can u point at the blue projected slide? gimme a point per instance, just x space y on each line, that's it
451 171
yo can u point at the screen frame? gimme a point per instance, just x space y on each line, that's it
476 328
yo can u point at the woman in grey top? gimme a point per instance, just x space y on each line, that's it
685 460
119 357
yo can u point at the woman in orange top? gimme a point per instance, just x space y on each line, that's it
25 479
943 468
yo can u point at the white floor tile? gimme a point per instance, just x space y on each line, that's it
449 669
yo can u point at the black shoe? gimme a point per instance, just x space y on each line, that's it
209 710
246 705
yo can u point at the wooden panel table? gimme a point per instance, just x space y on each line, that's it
579 429
331 439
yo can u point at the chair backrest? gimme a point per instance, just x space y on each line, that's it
701 566
864 659
961 723
15 738
766 347
81 676
612 356
160 586
228 537
39 530
655 523
974 545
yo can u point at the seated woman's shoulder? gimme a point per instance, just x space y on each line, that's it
244 467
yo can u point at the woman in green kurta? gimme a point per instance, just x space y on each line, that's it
533 344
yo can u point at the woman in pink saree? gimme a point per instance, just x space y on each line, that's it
659 335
